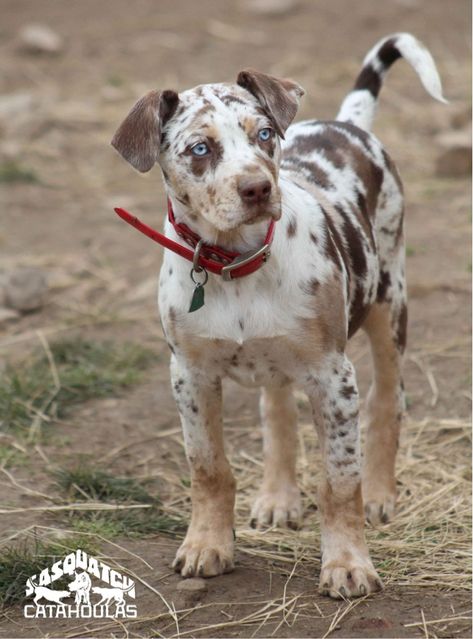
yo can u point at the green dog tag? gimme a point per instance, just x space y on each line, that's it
197 298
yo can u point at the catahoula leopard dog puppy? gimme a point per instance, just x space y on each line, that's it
231 164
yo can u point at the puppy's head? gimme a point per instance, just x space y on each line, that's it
218 146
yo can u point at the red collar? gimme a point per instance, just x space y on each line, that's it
228 264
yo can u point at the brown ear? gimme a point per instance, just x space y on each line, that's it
279 98
139 135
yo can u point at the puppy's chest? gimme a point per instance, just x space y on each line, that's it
264 306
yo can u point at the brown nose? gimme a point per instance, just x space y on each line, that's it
254 191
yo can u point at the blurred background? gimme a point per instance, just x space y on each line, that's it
74 278
69 73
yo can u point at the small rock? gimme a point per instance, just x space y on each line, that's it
461 118
25 289
455 159
269 7
8 314
13 104
194 585
371 623
3 284
39 38
191 591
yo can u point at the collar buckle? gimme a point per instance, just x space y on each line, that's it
245 258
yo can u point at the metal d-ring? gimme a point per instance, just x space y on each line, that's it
201 269
195 259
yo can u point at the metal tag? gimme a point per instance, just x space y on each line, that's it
197 298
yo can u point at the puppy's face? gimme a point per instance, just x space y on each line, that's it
218 146
220 157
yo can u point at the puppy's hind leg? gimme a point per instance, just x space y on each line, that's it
278 501
386 329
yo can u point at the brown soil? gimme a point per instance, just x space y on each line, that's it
102 274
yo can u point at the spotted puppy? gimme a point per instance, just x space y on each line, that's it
231 165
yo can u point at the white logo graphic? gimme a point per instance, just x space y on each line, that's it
110 601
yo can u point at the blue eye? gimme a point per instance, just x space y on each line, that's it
200 149
265 134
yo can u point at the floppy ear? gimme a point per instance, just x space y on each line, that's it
139 135
279 98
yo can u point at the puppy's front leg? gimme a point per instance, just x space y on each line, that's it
208 547
347 570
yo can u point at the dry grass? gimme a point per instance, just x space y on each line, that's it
427 545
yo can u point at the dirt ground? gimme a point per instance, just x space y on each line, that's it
103 274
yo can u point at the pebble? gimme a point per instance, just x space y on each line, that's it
25 289
195 585
39 38
270 7
8 314
455 159
12 104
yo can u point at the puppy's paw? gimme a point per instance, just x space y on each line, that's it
349 578
380 512
379 501
203 558
281 508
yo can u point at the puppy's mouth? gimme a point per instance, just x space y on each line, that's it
260 212
270 213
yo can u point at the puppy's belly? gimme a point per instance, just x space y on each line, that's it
259 362
260 377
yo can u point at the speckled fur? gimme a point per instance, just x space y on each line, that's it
337 264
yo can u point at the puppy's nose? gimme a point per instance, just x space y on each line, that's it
254 191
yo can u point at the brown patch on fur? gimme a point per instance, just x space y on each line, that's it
333 242
326 332
358 311
200 164
312 171
248 123
230 98
291 228
310 287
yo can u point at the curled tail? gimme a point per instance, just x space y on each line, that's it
360 104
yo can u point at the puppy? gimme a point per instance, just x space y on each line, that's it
295 234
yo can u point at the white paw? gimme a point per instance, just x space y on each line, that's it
379 501
204 557
380 512
348 577
282 508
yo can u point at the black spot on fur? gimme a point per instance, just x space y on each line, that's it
383 286
401 329
348 391
370 80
